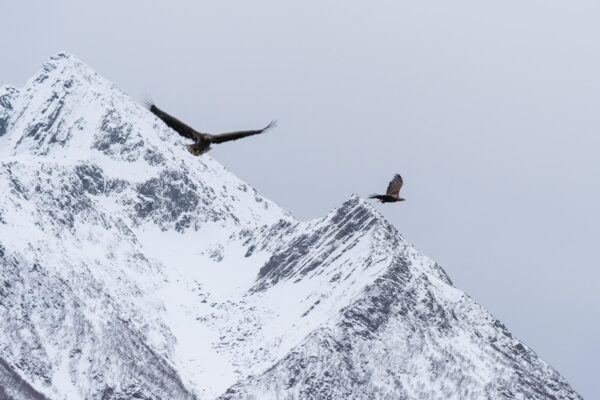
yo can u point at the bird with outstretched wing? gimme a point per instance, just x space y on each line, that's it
202 141
392 193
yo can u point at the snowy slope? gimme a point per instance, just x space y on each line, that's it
132 269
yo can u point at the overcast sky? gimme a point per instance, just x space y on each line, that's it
489 110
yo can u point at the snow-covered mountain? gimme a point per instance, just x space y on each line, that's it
132 269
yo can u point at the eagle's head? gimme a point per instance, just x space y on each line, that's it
197 150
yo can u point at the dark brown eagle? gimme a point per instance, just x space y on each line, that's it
392 193
202 141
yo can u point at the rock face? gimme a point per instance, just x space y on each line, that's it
132 269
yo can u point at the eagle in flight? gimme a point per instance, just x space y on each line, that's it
202 141
392 193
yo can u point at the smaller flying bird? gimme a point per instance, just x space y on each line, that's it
202 141
392 193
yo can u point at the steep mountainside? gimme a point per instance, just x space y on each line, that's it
132 269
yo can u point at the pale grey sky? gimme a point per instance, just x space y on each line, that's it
489 110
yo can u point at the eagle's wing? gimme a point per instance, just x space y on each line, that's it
225 137
173 123
395 185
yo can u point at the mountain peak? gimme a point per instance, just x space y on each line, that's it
54 105
62 55
62 72
357 202
61 62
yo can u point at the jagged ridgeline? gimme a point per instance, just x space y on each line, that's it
132 269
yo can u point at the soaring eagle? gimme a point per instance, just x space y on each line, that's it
392 193
202 141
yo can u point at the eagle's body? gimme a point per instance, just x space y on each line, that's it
202 141
392 194
386 198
